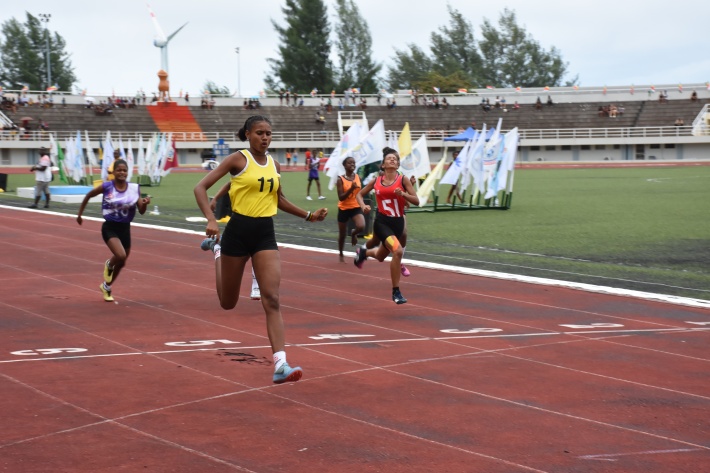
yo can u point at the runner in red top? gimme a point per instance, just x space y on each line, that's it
392 193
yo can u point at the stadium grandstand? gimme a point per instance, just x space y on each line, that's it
560 124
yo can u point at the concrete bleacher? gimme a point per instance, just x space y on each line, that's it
229 119
73 117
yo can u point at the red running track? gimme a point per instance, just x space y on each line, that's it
472 375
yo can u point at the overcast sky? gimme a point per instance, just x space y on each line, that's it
604 42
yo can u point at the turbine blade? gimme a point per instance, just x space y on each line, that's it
176 32
158 29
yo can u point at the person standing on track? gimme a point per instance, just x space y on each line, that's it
255 193
348 185
393 191
120 201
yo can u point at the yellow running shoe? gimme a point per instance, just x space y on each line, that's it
106 293
108 273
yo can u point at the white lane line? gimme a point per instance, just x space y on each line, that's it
612 456
350 342
687 301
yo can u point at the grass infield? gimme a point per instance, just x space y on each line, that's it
641 228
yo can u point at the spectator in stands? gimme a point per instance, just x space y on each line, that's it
679 122
516 105
444 103
320 117
538 104
187 97
612 111
549 101
694 96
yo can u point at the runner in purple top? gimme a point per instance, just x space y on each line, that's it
119 204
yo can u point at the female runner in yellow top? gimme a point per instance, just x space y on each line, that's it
255 193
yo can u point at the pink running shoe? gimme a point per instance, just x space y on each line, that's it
405 271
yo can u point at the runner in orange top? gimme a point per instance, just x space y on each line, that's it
348 186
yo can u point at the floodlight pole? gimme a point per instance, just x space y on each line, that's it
239 78
44 18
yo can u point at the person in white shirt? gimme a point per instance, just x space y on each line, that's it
43 176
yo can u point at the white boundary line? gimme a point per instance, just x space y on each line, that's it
649 296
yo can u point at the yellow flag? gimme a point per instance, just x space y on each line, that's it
428 185
405 142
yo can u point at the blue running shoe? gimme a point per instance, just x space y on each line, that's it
208 244
286 374
398 298
361 257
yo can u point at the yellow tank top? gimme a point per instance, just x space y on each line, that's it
254 191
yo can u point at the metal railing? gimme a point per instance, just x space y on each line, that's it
305 138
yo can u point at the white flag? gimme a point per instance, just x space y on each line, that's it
129 161
68 158
510 151
369 150
160 158
491 153
417 163
141 156
90 151
78 171
452 174
334 166
473 174
392 140
53 150
108 156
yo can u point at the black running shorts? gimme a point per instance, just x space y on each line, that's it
120 230
347 214
245 236
385 226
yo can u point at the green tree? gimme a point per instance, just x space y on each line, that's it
304 49
214 89
504 57
23 61
511 57
354 49
454 50
449 84
409 67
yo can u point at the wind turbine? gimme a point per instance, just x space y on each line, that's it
161 41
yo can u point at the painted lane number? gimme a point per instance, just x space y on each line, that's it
200 343
47 351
